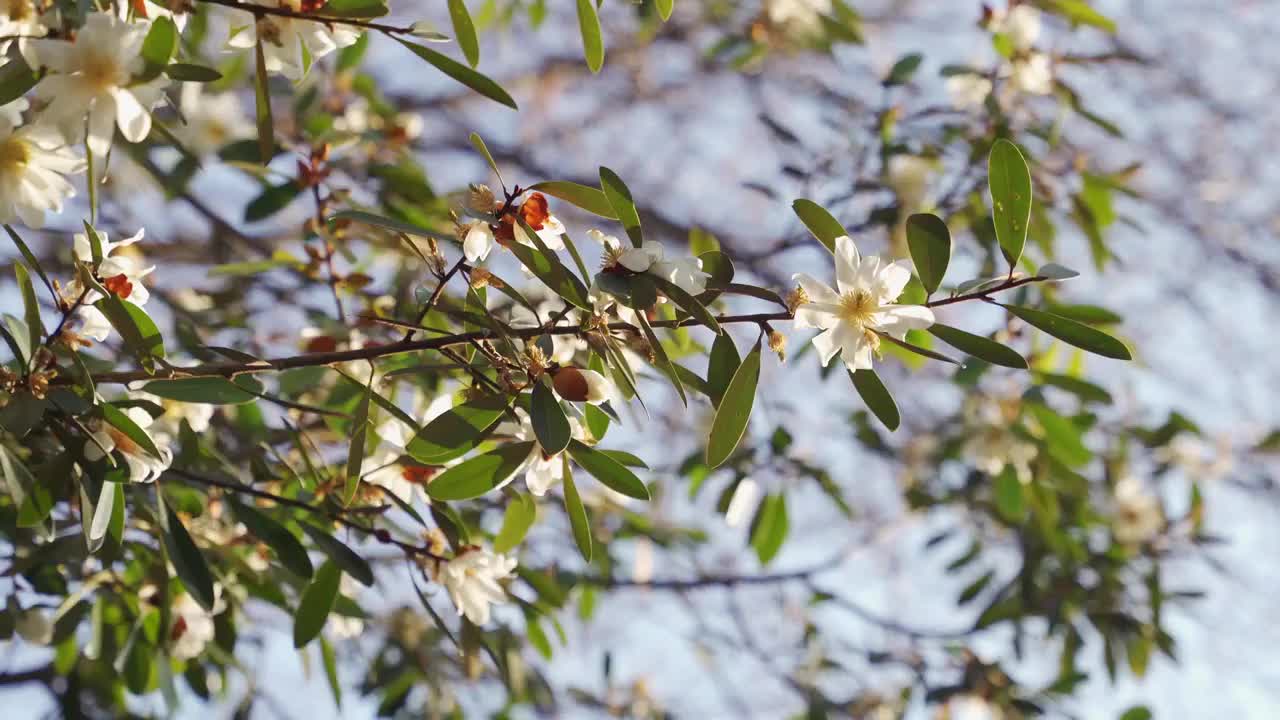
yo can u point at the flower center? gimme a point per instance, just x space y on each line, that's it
102 74
20 10
118 285
417 474
857 306
14 154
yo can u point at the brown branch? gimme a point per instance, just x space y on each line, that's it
259 10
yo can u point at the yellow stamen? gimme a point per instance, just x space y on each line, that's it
857 306
14 154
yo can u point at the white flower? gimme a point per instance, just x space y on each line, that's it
143 466
93 76
1021 25
851 318
384 469
19 18
212 121
797 17
541 471
472 581
685 273
1032 75
33 161
563 347
193 626
196 414
550 234
991 448
908 177
1139 517
477 240
34 626
972 707
121 274
287 42
744 500
968 90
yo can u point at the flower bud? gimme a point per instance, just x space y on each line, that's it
778 344
580 385
480 198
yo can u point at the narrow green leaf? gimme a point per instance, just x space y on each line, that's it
876 396
187 72
1010 184
29 257
930 243
316 604
903 70
399 226
357 9
464 31
734 413
624 207
1009 495
550 425
16 78
271 200
665 7
355 453
478 143
120 421
608 470
462 74
1061 436
926 352
458 430
187 560
206 390
1082 13
578 520
821 223
516 520
660 358
586 197
1083 389
1073 333
158 47
30 305
480 474
330 662
592 42
978 346
722 363
136 328
283 543
687 303
262 96
345 558
769 527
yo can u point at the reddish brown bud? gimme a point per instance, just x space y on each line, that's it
118 285
570 384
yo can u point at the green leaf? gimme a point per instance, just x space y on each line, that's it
516 520
158 47
206 390
926 352
611 473
477 142
1062 437
16 78
187 560
625 458
978 346
1009 495
578 520
586 197
1054 271
480 474
30 305
262 97
389 223
1010 184
624 208
458 430
821 223
592 42
550 425
546 266
660 358
283 543
1073 333
355 453
876 396
315 605
769 527
903 70
1083 389
186 72
462 74
358 9
665 7
120 421
721 365
345 558
930 243
1137 712
687 303
464 31
272 200
734 412
1081 13
27 255
136 328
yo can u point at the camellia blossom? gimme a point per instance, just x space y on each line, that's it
477 240
143 466
1032 74
193 626
1139 517
384 468
93 76
967 90
908 177
212 120
20 19
33 162
287 42
992 448
537 215
121 275
852 315
1021 24
685 273
472 581
799 18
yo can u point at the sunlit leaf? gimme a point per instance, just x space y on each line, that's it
734 412
1010 184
